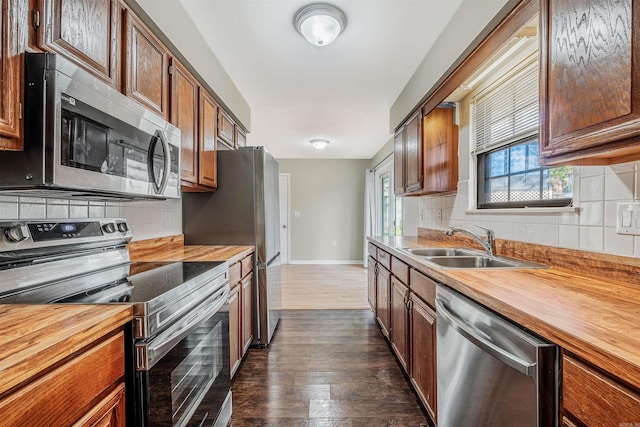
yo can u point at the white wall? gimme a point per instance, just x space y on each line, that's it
329 194
146 219
468 23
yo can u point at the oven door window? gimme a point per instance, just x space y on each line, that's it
197 367
93 140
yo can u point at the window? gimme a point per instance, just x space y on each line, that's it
505 143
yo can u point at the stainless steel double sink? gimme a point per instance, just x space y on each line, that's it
460 258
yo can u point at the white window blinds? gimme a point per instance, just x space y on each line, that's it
507 110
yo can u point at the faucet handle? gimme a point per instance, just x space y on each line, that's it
489 231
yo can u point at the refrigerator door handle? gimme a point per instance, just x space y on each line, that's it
268 263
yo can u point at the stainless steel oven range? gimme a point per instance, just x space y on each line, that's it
178 343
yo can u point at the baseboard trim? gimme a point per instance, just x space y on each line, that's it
325 262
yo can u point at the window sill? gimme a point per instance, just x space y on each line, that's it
566 209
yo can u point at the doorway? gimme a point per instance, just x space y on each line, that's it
285 213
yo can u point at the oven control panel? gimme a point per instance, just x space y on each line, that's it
28 234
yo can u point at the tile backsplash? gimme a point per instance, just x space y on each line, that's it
591 227
147 219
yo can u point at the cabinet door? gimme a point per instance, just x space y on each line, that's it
371 283
226 128
241 138
589 75
184 114
423 352
399 321
110 412
596 399
398 162
247 312
208 171
382 299
234 329
413 154
146 66
12 32
86 32
440 135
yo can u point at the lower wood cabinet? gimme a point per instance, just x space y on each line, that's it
371 283
383 283
399 334
67 395
247 312
595 399
241 310
423 374
234 329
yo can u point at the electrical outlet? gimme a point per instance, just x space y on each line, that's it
296 214
628 218
439 215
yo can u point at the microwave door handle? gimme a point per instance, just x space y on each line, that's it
167 161
158 188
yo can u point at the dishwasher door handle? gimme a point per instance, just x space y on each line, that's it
522 366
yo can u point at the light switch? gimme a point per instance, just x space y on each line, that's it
628 218
296 214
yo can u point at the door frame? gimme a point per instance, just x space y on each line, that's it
288 209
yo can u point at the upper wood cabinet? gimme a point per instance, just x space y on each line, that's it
241 137
226 129
86 32
440 140
207 157
426 154
146 66
13 33
407 166
184 114
590 74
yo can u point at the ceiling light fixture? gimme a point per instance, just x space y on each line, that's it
319 144
320 23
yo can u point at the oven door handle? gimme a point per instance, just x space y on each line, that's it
148 353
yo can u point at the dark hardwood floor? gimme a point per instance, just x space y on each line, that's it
324 368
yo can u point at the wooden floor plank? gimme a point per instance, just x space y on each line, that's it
324 368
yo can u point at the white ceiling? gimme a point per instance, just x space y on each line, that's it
341 92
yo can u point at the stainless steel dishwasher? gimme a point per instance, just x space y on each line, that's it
491 372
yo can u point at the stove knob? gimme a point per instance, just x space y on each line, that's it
17 233
109 227
123 227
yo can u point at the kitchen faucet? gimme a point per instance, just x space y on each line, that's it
489 245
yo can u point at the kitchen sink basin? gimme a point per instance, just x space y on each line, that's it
446 252
481 262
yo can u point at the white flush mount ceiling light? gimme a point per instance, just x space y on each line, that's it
319 144
320 23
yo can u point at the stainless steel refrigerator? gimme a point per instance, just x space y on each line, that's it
244 210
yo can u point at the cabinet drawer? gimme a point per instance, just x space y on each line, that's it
372 249
247 265
595 399
235 273
400 270
423 286
59 397
384 258
110 412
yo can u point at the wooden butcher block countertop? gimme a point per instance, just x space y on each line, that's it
595 318
34 338
172 249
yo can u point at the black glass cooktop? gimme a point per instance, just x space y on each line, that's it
138 282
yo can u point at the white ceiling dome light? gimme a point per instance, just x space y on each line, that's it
320 23
319 144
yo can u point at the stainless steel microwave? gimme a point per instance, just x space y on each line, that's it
84 139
